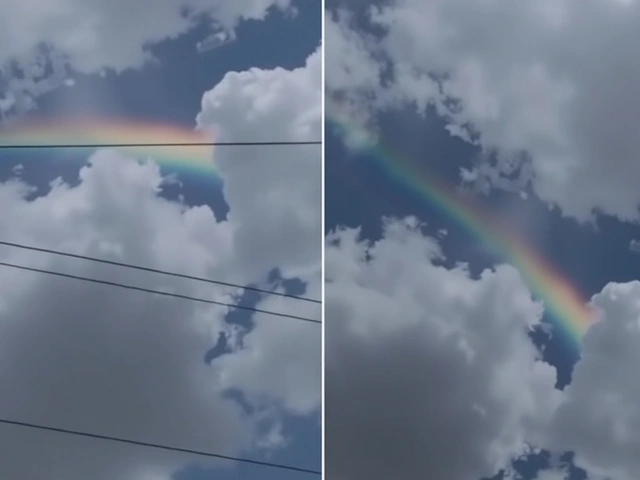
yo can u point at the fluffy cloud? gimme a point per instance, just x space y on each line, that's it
98 359
273 185
427 369
599 417
551 78
280 360
276 220
40 42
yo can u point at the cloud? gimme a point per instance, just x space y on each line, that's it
599 417
97 359
280 359
549 78
427 369
352 63
552 475
276 220
40 44
278 185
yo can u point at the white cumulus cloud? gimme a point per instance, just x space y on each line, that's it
277 185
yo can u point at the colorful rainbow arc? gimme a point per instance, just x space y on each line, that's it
196 159
569 310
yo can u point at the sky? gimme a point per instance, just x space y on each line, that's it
126 364
480 199
482 301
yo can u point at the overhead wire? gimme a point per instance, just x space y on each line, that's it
158 446
155 270
159 292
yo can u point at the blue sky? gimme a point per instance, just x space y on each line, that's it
501 82
170 90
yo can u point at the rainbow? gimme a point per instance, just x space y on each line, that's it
87 131
568 309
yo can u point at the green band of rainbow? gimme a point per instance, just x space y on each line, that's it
568 309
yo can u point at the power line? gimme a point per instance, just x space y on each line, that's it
162 447
188 144
158 292
154 270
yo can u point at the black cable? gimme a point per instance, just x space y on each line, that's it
190 144
166 294
162 447
153 270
